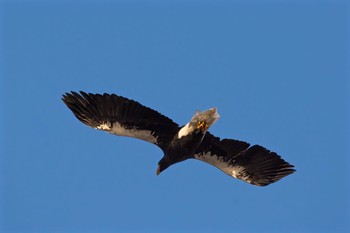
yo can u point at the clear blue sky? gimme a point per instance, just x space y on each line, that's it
278 73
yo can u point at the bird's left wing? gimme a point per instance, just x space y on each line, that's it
121 116
255 165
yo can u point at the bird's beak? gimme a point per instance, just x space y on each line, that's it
158 170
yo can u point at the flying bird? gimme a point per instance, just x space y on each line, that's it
125 117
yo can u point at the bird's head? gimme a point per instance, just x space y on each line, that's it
167 161
163 164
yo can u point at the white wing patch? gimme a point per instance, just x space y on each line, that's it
119 130
105 126
235 171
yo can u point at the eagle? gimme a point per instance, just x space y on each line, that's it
125 117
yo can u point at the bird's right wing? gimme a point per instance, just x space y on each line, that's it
255 165
121 116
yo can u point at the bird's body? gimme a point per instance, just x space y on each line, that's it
188 139
124 117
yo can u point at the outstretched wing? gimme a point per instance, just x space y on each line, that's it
255 165
121 116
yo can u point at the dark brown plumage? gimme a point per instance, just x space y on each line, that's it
124 117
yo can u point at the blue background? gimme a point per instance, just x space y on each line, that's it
278 72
